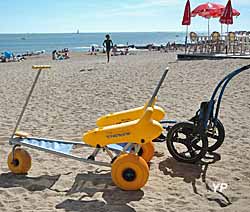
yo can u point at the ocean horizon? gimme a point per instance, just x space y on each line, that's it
80 42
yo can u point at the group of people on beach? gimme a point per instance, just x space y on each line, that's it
8 56
107 44
60 55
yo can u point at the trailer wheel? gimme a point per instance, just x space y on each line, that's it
21 163
130 172
147 151
215 136
181 139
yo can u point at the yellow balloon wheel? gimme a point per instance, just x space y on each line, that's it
130 172
147 151
21 163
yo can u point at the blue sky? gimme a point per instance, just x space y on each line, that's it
29 16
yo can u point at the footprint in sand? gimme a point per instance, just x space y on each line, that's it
88 69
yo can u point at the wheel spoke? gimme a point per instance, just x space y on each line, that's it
180 141
212 135
191 151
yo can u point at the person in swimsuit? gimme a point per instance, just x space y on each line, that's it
108 44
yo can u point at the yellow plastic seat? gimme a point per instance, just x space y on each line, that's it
138 131
130 115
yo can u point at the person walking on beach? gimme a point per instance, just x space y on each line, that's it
108 44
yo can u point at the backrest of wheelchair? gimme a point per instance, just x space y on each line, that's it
204 114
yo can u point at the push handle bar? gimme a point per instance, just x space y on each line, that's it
40 67
151 101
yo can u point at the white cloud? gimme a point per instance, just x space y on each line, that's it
149 7
152 3
164 2
146 8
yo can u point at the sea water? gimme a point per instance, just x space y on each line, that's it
29 42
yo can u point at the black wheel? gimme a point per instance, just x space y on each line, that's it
181 140
215 136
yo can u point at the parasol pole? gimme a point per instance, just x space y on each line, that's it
227 44
221 28
208 33
186 39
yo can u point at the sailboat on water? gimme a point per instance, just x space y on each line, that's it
77 32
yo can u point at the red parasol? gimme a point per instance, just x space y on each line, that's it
212 10
228 13
186 20
208 10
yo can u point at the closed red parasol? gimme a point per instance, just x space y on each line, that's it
227 16
186 20
228 13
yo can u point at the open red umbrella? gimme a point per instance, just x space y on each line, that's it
186 20
212 10
208 10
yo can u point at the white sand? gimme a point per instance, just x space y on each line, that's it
67 102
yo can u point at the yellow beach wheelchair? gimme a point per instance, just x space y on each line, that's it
129 169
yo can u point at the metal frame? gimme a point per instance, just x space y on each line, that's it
17 142
210 115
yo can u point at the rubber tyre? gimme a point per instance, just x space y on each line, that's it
134 163
22 161
188 126
147 151
221 137
219 140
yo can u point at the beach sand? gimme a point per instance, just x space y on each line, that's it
74 93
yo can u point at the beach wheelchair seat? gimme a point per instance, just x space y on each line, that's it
139 131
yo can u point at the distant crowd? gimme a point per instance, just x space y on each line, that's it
108 48
60 55
9 56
